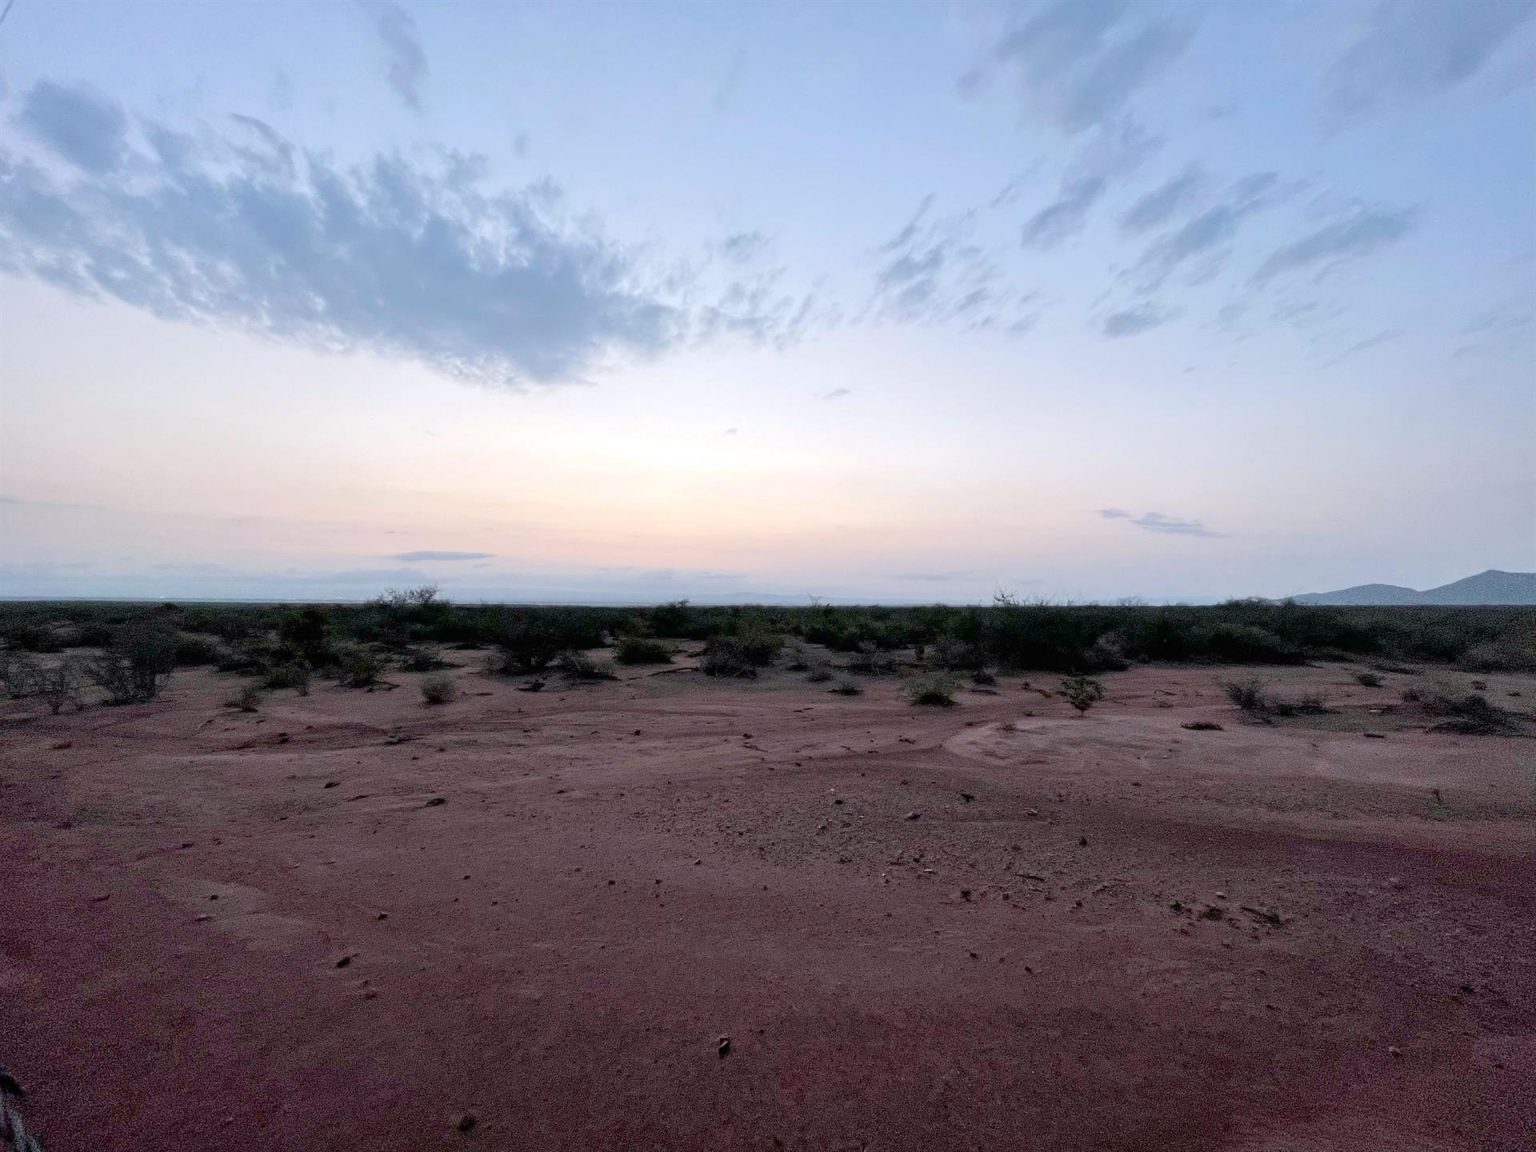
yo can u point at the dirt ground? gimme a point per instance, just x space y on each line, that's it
528 921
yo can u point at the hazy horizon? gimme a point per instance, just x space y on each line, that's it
900 303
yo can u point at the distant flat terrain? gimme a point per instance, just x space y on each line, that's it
351 922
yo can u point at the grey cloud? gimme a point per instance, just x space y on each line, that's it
1362 345
1407 50
1157 522
1208 234
1066 215
1133 321
1111 154
403 258
741 247
1078 63
1162 203
934 577
407 64
277 150
418 557
85 128
1362 232
930 272
836 394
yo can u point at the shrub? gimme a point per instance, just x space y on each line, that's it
1106 654
983 677
360 666
934 688
846 688
737 656
438 688
1470 715
20 673
872 661
294 675
194 650
422 658
1368 679
138 664
1082 692
954 655
248 699
61 685
820 674
524 643
1247 695
306 632
641 650
578 667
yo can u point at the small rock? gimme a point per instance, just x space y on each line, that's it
1394 1050
333 783
344 962
723 1047
967 797
436 802
914 815
1082 841
467 1122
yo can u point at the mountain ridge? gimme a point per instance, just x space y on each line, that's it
1493 587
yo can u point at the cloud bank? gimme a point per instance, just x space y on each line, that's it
401 257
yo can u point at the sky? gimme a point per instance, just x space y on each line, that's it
896 301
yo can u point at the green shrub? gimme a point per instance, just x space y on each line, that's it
294 675
740 656
641 650
933 688
438 688
1308 705
870 660
359 666
1082 692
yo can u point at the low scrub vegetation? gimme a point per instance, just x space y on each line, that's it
641 650
407 627
438 688
932 688
1471 714
1082 692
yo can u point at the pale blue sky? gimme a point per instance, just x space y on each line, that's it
906 301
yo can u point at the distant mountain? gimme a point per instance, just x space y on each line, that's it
1490 587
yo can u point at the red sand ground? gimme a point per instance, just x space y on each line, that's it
920 928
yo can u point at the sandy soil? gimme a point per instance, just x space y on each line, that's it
353 922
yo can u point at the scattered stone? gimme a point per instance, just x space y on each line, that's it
1082 841
436 802
967 797
1202 726
345 961
1374 735
914 815
63 744
333 783
467 1122
723 1046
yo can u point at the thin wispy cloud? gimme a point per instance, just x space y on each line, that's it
1157 522
406 62
400 256
1079 63
1410 50
1160 205
1134 321
421 557
1360 233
